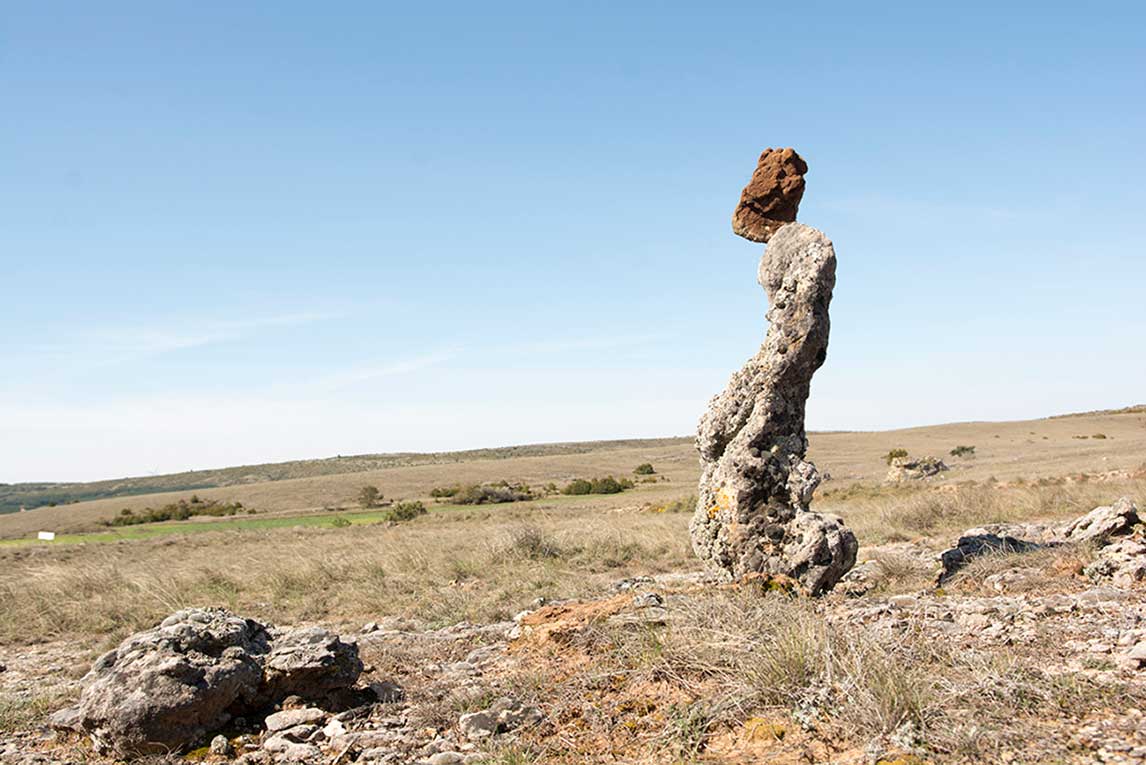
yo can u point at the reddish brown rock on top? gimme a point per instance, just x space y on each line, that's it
772 197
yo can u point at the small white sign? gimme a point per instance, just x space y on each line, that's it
46 536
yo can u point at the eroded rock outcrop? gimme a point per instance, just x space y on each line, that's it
173 686
755 488
914 469
772 197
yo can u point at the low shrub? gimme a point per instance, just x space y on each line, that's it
405 511
340 523
178 511
606 485
492 494
645 468
444 492
963 451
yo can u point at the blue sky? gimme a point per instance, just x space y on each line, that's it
243 234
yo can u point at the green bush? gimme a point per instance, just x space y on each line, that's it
894 454
606 485
178 511
578 486
645 468
963 451
492 494
442 492
369 496
405 511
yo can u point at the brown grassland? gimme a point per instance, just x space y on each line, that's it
720 664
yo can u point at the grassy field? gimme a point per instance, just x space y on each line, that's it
1027 450
62 602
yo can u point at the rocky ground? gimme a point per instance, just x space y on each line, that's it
1026 656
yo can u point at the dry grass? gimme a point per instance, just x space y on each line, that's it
1007 450
440 569
737 656
895 514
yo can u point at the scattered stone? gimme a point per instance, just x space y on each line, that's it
1122 563
755 487
772 197
446 758
1102 523
915 469
387 691
648 600
293 717
477 725
221 746
503 715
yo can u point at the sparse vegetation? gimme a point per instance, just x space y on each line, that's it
681 505
490 494
645 468
178 511
369 496
606 485
894 454
963 451
405 511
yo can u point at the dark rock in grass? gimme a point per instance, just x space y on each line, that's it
969 547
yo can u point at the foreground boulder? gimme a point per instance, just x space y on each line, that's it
174 686
752 515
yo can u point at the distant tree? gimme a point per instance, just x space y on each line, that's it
369 496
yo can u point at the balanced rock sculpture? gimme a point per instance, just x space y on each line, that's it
752 516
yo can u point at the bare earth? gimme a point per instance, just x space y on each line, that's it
627 651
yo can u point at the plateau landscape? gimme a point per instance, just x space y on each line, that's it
508 461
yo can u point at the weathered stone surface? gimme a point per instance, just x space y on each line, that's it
173 686
310 663
167 687
915 468
752 515
1102 523
290 718
772 197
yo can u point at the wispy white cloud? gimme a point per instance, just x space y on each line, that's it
369 372
127 343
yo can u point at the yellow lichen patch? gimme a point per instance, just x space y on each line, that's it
763 729
768 583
